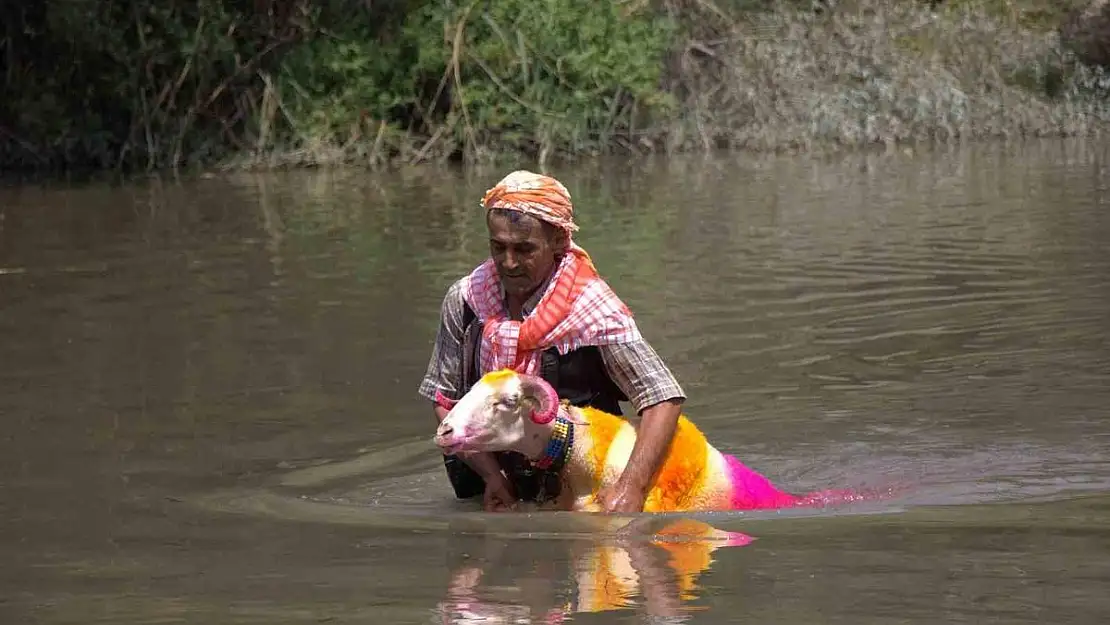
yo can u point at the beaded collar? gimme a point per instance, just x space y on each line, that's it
554 456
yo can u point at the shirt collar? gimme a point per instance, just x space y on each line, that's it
532 301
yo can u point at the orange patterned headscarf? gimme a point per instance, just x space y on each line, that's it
542 197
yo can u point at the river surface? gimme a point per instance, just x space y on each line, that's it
208 409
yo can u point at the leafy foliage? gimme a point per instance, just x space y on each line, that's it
155 84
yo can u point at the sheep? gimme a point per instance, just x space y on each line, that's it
507 411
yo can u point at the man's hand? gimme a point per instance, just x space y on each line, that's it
620 499
499 496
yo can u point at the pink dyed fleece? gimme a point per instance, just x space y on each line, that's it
752 491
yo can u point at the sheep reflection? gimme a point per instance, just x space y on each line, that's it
651 564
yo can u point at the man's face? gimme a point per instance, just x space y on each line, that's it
524 249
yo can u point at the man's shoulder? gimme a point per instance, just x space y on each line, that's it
454 304
457 290
600 282
600 293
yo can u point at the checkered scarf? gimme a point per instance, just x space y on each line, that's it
577 309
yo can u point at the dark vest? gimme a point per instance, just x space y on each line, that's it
578 377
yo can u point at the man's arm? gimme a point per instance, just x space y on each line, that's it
653 438
657 396
444 372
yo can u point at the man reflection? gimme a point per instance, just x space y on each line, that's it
503 585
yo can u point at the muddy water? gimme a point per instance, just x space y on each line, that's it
207 392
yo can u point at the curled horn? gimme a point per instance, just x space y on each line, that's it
537 388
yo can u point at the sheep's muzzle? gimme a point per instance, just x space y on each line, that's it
447 439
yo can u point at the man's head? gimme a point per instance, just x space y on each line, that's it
530 219
504 411
524 249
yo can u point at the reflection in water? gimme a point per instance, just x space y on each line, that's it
605 573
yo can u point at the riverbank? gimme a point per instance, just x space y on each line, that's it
413 83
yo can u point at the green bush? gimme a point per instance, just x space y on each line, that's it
483 78
153 84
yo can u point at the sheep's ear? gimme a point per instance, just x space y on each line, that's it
530 403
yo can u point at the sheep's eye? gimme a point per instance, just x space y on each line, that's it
506 402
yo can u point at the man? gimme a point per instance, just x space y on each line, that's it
538 306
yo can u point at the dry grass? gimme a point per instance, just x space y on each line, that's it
873 71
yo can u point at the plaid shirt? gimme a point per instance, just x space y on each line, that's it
634 367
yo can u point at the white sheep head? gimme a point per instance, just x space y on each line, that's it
504 411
